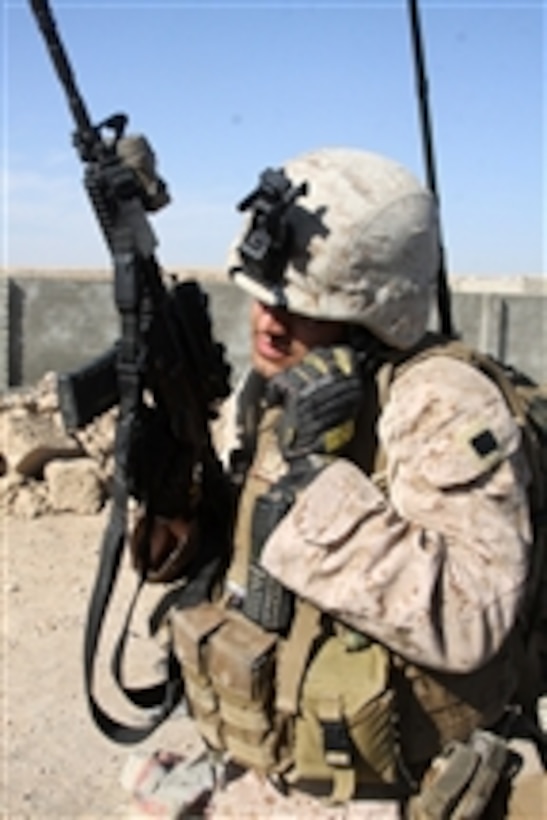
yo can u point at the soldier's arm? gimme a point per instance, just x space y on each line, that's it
435 566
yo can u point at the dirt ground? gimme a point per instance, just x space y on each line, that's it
55 763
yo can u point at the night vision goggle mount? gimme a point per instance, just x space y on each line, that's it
265 249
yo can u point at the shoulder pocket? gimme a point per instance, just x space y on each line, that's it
447 422
465 452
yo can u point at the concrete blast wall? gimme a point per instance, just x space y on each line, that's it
61 320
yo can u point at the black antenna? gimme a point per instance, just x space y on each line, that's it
443 291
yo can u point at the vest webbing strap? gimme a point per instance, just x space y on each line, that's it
344 784
293 656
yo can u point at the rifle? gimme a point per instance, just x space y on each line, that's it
443 291
165 372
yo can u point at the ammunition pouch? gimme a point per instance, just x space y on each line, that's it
465 779
228 663
192 630
342 731
242 669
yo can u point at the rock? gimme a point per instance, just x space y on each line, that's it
31 500
10 487
74 486
97 440
33 439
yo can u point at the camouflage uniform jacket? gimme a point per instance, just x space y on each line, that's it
435 566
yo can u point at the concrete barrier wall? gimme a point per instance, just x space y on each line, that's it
4 332
60 320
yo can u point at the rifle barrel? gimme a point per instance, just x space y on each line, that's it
46 23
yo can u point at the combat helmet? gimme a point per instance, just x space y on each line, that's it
345 235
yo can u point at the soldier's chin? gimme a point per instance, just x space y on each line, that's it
269 367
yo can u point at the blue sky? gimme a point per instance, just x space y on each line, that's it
225 89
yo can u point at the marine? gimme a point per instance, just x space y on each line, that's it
371 621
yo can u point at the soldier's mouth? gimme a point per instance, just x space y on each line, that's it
271 347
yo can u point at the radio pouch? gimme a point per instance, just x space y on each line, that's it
345 732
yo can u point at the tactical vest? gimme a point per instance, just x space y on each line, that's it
322 702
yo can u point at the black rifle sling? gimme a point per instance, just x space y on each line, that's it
166 694
169 693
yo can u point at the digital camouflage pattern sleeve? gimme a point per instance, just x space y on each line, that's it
435 567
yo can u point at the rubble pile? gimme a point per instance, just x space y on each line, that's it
43 468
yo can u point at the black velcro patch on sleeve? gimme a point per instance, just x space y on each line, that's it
484 443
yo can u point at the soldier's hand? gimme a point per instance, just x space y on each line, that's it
321 396
162 548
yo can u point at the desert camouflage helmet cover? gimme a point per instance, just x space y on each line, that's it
363 246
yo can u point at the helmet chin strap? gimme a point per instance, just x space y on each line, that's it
370 351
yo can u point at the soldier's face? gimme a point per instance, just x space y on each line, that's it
280 339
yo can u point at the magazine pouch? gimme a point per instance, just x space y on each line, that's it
193 629
242 670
